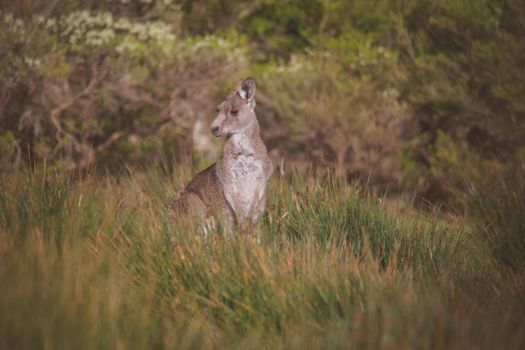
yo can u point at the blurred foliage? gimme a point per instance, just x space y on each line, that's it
87 86
414 94
352 119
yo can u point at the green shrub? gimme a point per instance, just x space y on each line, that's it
341 111
87 88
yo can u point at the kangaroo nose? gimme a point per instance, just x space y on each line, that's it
214 129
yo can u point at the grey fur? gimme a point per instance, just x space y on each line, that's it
233 188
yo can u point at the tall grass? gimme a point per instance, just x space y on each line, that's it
498 209
92 262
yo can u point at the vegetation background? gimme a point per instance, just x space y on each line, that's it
394 219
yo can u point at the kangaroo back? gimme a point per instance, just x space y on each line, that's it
201 198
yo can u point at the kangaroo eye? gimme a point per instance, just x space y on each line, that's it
234 113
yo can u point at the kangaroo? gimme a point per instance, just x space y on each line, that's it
232 189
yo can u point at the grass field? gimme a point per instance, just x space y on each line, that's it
91 262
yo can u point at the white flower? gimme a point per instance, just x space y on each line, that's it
40 19
122 24
32 62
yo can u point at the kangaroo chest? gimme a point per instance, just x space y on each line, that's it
244 185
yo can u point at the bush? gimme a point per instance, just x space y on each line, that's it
460 57
87 88
342 111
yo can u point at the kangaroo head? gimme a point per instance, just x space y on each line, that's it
235 113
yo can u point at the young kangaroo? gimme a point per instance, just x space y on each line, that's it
232 189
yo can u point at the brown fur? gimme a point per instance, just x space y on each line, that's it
202 197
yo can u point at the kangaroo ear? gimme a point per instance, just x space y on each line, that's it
247 90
